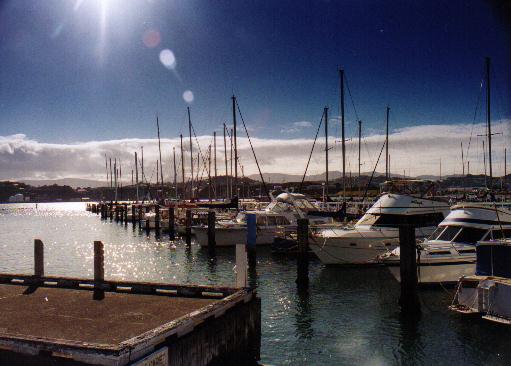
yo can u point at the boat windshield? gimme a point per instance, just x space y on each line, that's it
498 233
436 233
449 233
276 206
393 220
303 204
470 235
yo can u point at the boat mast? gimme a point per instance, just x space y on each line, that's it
175 170
230 185
216 172
326 150
183 169
484 162
191 151
235 145
359 144
209 172
159 149
136 173
488 118
387 163
225 158
341 74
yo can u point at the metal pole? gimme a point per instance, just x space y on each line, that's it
225 158
183 168
488 118
359 145
235 145
387 146
341 74
216 172
326 149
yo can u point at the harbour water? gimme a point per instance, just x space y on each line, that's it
348 316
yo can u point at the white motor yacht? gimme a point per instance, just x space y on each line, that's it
378 230
283 212
450 253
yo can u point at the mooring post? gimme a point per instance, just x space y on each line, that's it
121 213
147 227
251 239
116 213
211 231
188 227
302 263
38 258
133 214
172 229
125 214
241 266
140 212
409 299
99 270
111 212
157 218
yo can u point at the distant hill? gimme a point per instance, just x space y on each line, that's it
282 178
72 182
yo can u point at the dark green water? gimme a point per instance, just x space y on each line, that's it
348 316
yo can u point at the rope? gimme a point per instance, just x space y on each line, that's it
253 152
372 174
310 155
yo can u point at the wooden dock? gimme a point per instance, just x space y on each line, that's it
48 320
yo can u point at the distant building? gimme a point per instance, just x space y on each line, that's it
17 198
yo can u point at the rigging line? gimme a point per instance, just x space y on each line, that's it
312 149
253 152
351 97
475 116
372 174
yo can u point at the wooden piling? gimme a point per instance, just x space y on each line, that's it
110 211
302 264
125 214
133 215
211 230
409 299
251 239
139 214
172 228
157 218
241 266
116 213
188 227
99 270
38 258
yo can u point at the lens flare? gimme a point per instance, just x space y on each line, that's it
188 96
168 59
152 38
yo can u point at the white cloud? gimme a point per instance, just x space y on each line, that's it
416 149
296 127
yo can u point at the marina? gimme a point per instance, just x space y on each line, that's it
197 183
296 325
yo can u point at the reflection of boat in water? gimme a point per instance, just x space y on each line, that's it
378 230
450 252
281 212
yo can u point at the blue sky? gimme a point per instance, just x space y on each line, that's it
79 70
84 82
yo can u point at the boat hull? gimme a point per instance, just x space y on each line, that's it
445 273
225 237
362 250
